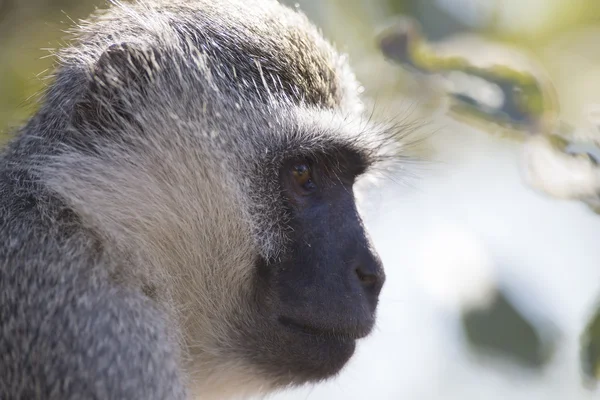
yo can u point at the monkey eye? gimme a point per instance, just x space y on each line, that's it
302 174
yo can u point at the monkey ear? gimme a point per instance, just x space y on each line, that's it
122 74
124 65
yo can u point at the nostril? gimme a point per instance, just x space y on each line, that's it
367 279
368 272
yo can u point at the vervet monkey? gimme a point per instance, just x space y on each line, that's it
178 218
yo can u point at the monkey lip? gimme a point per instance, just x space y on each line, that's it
346 333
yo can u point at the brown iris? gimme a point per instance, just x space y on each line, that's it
303 176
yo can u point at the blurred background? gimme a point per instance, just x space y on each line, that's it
488 231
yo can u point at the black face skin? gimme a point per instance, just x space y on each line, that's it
321 296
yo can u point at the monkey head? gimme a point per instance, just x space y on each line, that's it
216 145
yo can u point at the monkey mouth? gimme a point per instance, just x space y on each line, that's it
340 333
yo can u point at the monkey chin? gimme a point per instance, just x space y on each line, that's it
291 354
309 357
329 354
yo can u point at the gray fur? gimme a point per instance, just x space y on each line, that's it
137 200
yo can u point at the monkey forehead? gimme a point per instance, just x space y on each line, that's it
326 130
268 135
257 46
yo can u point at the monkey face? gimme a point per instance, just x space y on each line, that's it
317 299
